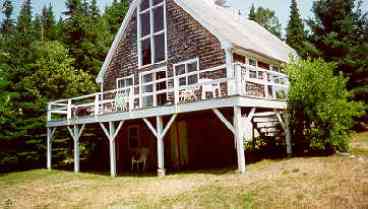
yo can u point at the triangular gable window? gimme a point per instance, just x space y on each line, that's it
152 47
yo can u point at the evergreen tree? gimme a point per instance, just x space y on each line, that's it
85 7
94 11
25 17
115 14
295 35
339 32
252 13
48 23
267 19
8 24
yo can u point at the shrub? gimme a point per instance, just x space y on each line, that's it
321 113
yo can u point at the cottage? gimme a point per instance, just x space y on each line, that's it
185 82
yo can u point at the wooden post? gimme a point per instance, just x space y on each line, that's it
50 136
160 148
111 134
238 139
76 133
159 132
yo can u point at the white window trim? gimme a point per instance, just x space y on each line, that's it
153 83
186 74
124 78
151 34
139 143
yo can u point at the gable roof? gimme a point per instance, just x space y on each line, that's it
231 30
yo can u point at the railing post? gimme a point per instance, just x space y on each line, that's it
238 80
176 91
97 105
69 109
49 107
266 84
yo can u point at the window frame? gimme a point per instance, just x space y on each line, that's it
152 33
124 78
186 73
154 83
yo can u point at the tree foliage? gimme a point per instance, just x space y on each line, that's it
295 35
340 33
320 110
267 19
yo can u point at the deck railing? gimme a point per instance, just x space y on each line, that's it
243 80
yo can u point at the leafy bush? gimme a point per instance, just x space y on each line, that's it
320 109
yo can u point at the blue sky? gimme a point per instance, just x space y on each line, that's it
281 7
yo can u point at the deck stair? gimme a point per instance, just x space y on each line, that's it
268 125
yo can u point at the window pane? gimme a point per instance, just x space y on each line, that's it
252 74
129 82
158 15
160 75
145 24
253 62
147 101
192 79
192 67
148 89
146 52
160 47
144 4
147 78
161 86
183 81
180 69
155 2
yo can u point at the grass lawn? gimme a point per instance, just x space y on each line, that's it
298 183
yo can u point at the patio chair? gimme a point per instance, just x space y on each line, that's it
208 87
140 156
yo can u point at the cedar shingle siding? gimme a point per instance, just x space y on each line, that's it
186 38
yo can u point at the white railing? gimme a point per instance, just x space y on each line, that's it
211 83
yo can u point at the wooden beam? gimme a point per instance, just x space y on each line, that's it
149 125
238 139
168 125
50 136
111 134
251 113
160 147
224 120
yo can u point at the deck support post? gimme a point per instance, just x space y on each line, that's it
76 133
50 136
159 132
285 124
239 139
235 128
111 134
160 148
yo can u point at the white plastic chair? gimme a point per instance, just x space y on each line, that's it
208 87
141 157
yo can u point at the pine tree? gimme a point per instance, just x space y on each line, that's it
252 13
115 14
25 17
295 35
85 8
48 23
339 32
267 19
94 11
8 25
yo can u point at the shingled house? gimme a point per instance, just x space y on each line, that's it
184 85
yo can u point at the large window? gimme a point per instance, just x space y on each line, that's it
187 72
151 32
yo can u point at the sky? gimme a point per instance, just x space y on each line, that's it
281 7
